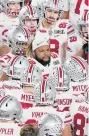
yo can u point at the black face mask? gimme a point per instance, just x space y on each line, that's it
44 63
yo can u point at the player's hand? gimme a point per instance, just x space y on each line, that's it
4 50
28 89
85 40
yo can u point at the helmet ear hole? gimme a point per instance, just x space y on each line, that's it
6 104
20 62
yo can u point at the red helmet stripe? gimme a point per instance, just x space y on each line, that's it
80 63
4 99
31 10
26 32
60 76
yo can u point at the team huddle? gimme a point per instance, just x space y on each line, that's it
44 65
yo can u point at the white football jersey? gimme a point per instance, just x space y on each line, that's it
80 115
5 24
64 99
58 34
74 44
36 114
78 88
5 59
77 9
13 88
76 92
62 32
54 61
9 129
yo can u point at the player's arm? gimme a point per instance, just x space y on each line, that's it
67 131
28 89
66 9
67 124
62 53
65 15
4 50
79 53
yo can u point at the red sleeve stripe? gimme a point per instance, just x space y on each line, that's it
67 116
68 121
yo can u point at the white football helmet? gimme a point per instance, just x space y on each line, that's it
77 68
8 10
17 66
29 12
17 37
10 108
51 126
33 74
55 5
45 92
81 25
61 78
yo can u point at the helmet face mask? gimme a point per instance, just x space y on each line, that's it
18 39
20 48
12 7
32 24
51 125
51 16
29 17
52 10
83 28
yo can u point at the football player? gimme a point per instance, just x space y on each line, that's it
41 50
56 28
60 30
18 45
83 29
29 130
44 98
3 75
9 17
80 115
75 10
29 17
